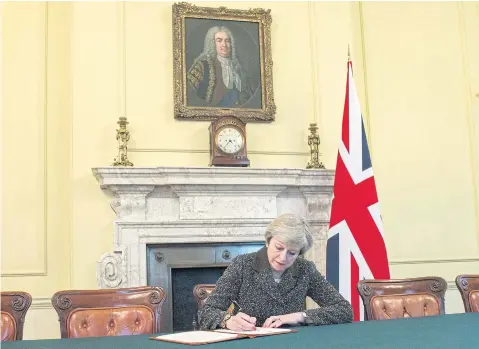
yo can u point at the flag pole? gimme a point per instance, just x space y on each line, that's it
349 60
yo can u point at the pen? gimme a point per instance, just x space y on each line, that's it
239 310
239 307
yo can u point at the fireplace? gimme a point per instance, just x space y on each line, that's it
178 268
176 223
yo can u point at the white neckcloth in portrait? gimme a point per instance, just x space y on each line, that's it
230 76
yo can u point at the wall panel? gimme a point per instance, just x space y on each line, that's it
419 126
24 139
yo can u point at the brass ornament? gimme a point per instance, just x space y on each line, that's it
313 142
122 136
258 15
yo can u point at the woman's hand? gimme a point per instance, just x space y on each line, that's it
287 319
273 321
241 322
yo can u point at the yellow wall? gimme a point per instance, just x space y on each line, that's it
69 70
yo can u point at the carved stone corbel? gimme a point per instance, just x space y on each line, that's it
111 270
318 203
130 200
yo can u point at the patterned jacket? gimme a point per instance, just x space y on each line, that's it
248 280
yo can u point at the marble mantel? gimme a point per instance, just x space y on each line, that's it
162 205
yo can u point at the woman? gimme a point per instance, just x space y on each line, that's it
271 285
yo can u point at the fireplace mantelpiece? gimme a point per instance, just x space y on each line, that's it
162 205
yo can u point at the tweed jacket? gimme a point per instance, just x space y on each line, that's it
249 281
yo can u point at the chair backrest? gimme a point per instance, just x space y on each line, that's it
468 286
202 292
392 299
109 312
14 308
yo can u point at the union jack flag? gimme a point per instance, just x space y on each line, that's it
355 247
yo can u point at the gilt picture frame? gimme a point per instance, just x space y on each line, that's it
222 63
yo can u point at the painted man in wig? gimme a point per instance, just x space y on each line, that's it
216 75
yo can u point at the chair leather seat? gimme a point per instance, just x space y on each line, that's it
111 321
474 301
404 306
8 327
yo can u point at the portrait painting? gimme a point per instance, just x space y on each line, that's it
222 63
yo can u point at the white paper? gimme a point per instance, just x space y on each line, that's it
258 331
197 337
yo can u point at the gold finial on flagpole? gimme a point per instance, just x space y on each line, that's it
349 54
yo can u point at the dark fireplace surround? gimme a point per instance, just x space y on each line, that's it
178 268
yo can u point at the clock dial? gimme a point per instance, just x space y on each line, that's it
230 140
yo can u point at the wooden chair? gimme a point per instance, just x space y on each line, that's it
201 292
109 312
14 308
468 286
392 299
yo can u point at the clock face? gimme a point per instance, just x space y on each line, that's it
230 140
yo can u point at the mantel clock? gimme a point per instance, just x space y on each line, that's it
228 142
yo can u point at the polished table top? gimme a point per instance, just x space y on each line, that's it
445 331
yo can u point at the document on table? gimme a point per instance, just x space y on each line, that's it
196 337
260 331
207 337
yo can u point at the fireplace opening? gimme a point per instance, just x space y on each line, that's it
177 268
184 304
